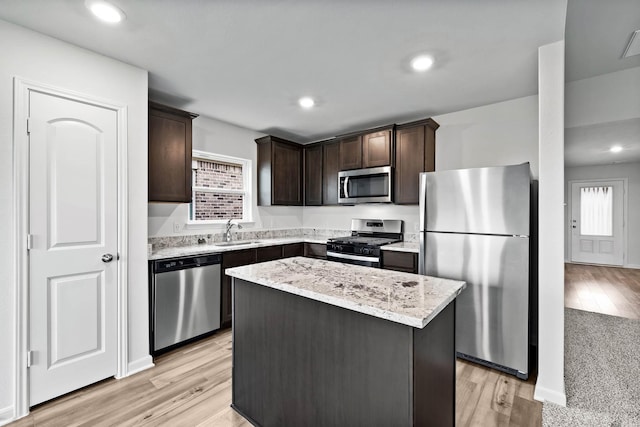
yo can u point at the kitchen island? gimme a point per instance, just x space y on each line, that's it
323 343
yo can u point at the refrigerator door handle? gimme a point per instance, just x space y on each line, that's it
421 255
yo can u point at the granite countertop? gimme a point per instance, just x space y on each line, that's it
212 248
405 298
413 247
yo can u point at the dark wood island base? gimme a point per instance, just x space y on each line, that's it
301 362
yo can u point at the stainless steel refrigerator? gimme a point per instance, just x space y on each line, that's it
475 226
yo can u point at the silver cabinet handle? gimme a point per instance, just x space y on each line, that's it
107 258
346 187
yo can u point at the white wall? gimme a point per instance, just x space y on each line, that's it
222 138
631 171
505 133
607 98
550 383
492 135
42 59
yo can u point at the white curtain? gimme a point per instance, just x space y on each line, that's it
596 216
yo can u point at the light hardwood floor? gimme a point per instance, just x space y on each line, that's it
608 290
191 386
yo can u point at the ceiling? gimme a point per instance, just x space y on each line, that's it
589 145
597 33
247 62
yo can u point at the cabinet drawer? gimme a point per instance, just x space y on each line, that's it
400 261
269 253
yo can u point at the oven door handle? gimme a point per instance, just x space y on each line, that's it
353 257
345 187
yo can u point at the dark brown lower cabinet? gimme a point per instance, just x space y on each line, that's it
251 256
300 362
315 250
400 261
292 249
232 259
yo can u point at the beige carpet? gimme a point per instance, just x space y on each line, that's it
602 372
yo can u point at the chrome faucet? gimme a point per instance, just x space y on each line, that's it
227 233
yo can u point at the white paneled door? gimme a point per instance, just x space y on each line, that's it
72 260
597 222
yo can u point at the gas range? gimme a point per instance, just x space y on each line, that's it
362 247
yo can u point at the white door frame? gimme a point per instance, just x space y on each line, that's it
624 213
22 87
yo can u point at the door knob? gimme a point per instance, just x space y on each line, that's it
107 258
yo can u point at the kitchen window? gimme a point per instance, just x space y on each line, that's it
221 188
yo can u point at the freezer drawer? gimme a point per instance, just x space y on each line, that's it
492 313
491 200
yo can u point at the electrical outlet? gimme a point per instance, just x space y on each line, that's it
176 227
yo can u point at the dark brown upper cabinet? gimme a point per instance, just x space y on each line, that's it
279 172
376 149
330 169
313 175
169 154
351 152
415 150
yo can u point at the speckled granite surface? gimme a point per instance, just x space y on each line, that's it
404 298
196 249
413 247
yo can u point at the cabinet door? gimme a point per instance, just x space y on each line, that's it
232 259
376 149
410 159
313 175
429 149
400 261
330 169
268 253
315 250
292 249
351 153
169 159
286 185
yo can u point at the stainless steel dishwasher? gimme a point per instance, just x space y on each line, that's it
185 300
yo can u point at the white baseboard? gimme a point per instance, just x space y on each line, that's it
139 365
543 394
633 266
6 415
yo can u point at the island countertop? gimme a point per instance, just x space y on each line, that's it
405 298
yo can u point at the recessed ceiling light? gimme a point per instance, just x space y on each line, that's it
615 149
421 63
306 102
105 11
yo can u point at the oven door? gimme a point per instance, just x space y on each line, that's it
367 261
372 185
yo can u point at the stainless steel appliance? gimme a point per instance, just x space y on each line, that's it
362 247
371 185
185 299
475 226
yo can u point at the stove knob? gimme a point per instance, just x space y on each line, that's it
366 251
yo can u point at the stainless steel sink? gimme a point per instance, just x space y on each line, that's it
235 243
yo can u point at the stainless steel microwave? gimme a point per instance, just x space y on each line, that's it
371 185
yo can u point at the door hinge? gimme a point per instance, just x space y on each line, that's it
29 358
29 242
28 125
